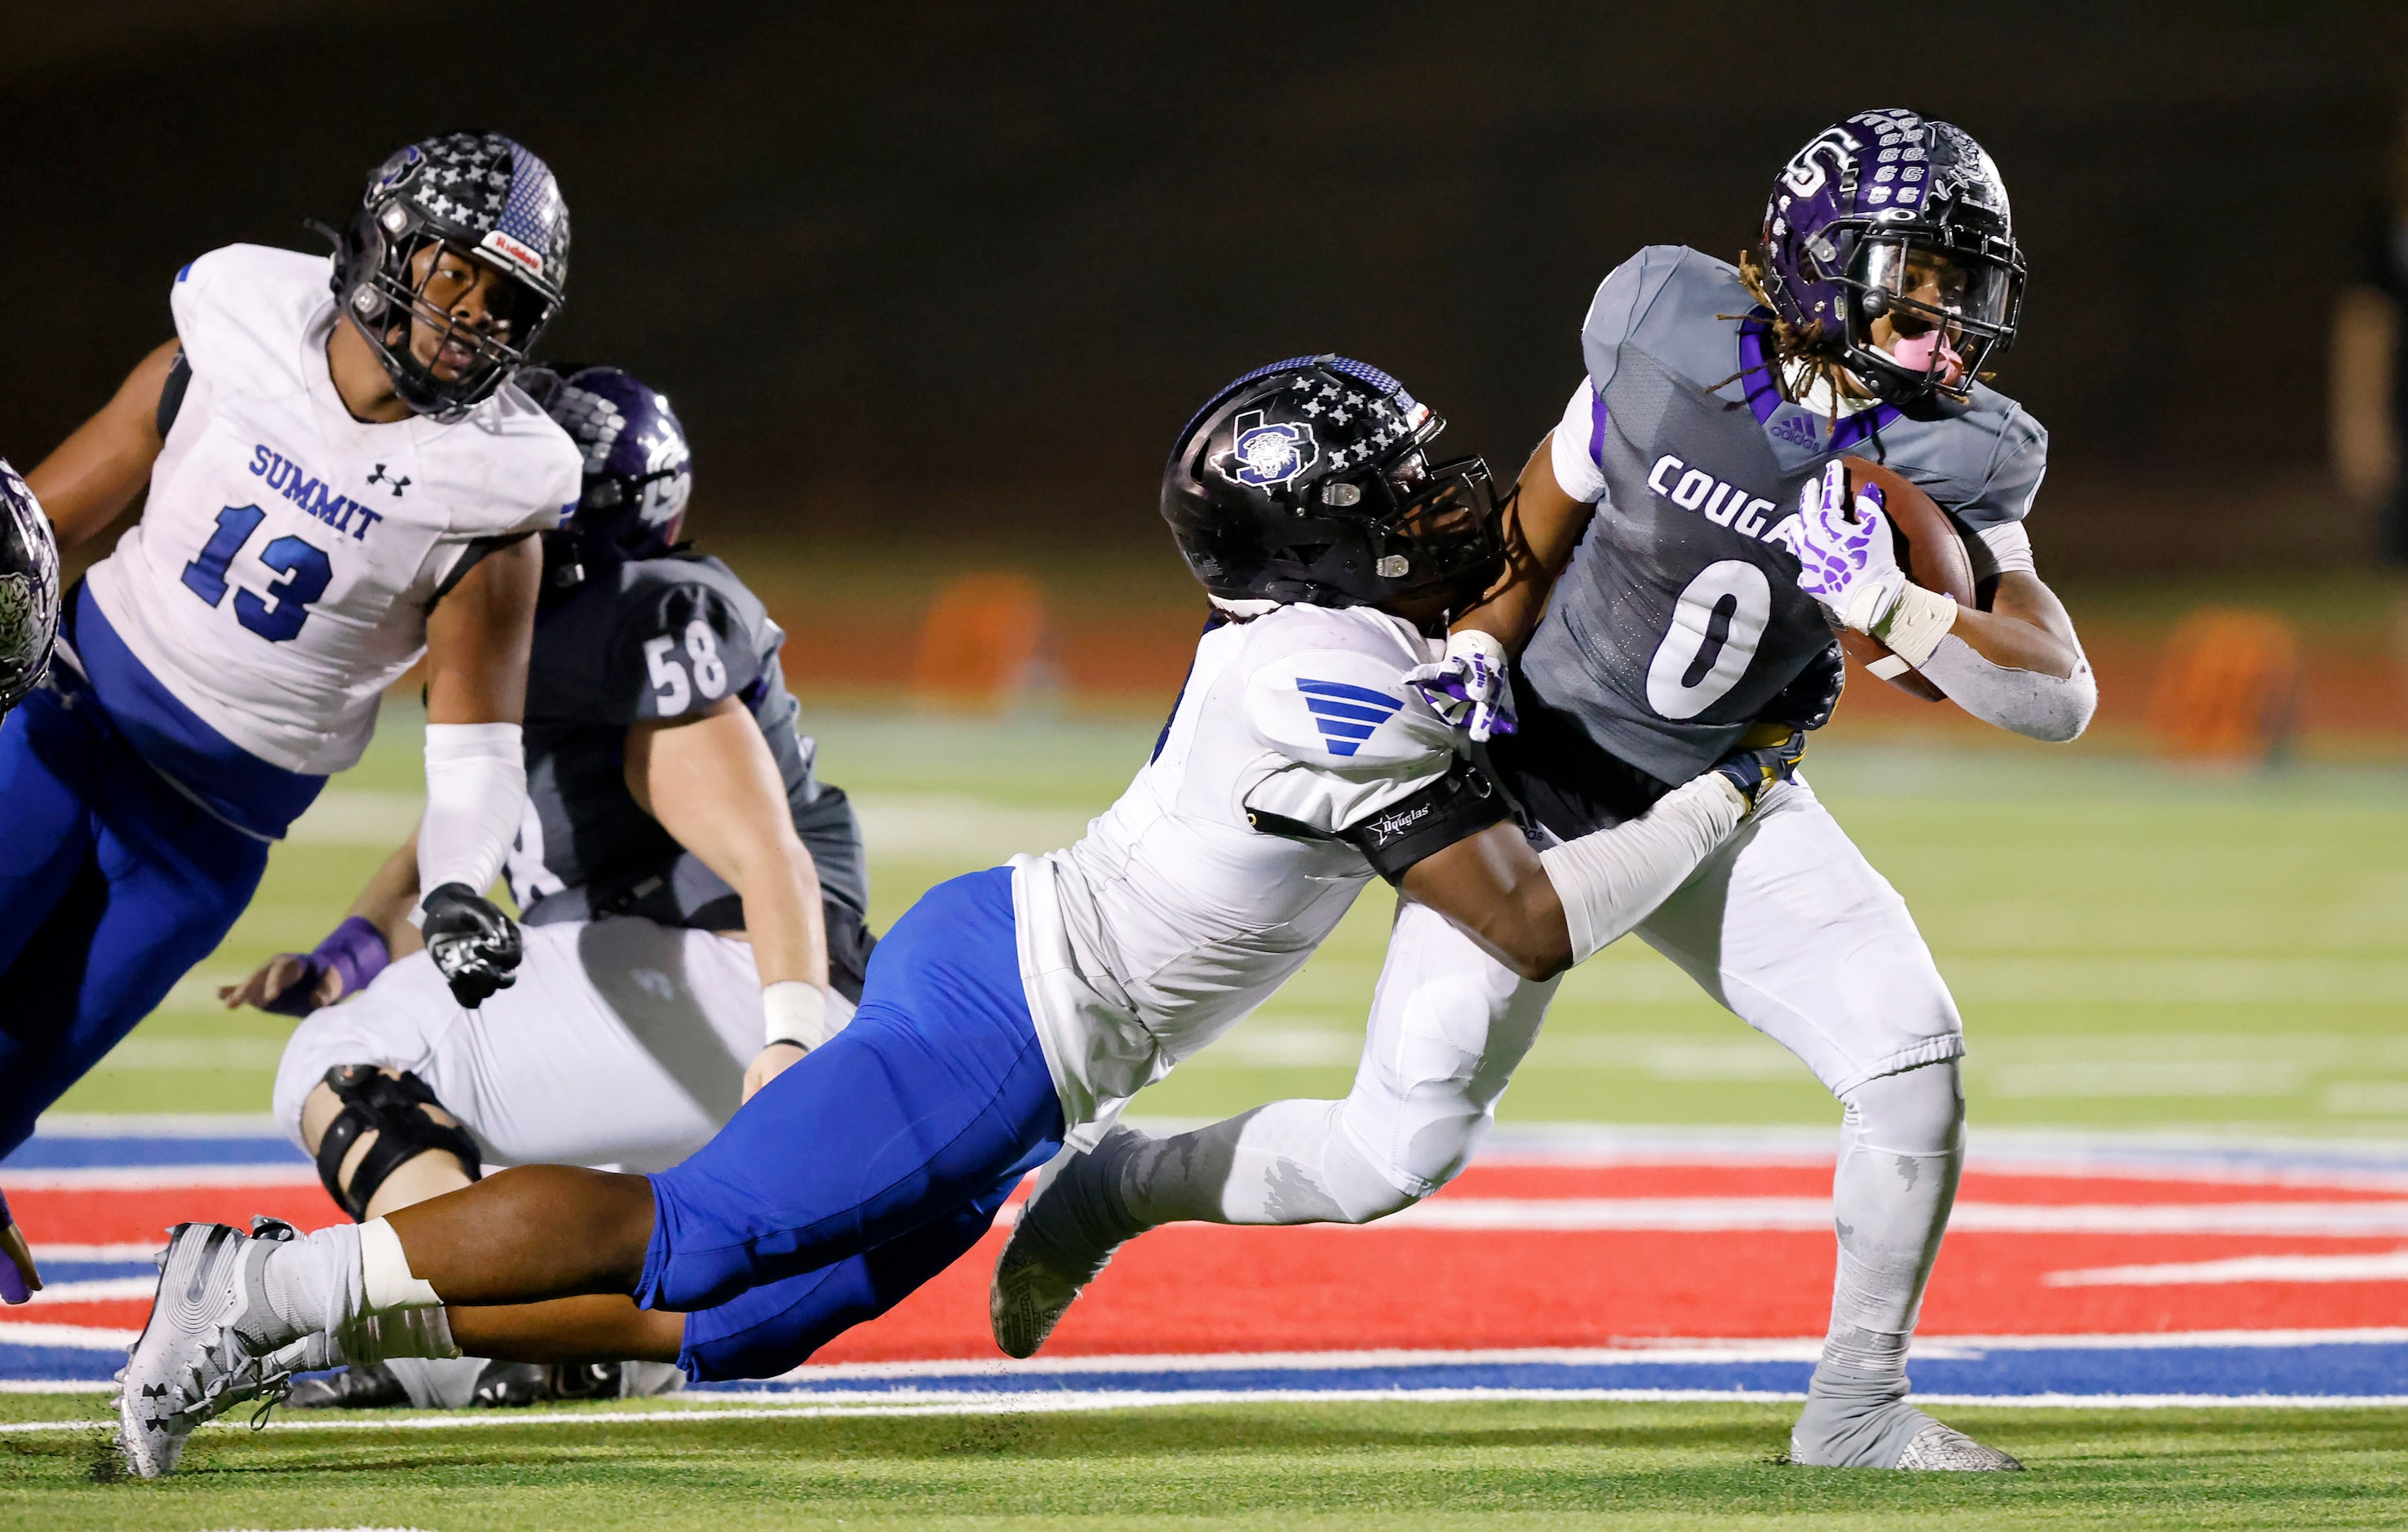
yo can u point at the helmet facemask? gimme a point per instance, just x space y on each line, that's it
409 309
1926 315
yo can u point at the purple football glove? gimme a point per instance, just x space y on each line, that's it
1847 559
354 952
1472 688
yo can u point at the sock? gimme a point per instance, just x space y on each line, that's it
1290 1162
366 1337
1899 1156
310 1286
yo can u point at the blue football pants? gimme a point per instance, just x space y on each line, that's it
113 885
874 1162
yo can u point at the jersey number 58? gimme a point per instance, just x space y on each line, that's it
669 673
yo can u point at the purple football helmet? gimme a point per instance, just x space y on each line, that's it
638 470
1892 214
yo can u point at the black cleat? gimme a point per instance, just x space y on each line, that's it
369 1387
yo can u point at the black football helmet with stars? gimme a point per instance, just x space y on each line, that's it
479 193
1308 481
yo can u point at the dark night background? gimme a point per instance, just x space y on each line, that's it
958 271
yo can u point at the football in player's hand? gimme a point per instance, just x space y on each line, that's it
1929 550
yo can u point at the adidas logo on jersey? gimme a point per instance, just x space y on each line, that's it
1717 500
1346 715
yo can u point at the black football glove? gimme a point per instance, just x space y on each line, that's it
1754 769
1807 701
475 946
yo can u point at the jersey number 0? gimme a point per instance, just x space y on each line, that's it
277 616
1716 625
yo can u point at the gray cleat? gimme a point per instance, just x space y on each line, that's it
193 1361
1945 1448
1066 1233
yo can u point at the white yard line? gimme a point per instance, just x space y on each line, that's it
1070 1403
2388 1266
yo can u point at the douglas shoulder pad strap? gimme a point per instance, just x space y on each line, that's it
1456 807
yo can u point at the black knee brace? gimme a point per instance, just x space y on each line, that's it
396 1110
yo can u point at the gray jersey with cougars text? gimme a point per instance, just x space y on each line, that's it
656 639
1680 616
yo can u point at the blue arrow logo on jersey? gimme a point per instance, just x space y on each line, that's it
1346 715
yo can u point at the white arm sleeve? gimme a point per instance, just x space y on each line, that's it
2025 702
1995 549
476 790
1610 881
1576 433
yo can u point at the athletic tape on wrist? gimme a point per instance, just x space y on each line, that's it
385 1279
1917 625
796 1012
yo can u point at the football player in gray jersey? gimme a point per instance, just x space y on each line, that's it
1680 560
692 899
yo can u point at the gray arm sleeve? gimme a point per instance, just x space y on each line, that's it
2025 702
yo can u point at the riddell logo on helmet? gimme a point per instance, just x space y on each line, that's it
509 248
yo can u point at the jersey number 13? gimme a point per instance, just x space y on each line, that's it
277 616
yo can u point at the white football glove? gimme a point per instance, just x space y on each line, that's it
1472 688
1846 562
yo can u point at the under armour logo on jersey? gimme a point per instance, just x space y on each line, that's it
397 483
1346 715
1263 455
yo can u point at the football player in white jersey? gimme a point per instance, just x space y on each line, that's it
340 478
691 891
1011 1011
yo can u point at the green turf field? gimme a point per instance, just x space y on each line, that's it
1510 1464
2133 947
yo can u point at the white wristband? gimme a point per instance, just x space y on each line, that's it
1916 625
796 1012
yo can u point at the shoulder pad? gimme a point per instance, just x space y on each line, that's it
1348 710
1638 288
240 312
509 468
1982 461
677 644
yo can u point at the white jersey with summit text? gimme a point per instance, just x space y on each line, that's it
1214 877
281 574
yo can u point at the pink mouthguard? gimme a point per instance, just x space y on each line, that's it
1914 352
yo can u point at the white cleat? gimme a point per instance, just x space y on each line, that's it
1064 1239
193 1362
1945 1448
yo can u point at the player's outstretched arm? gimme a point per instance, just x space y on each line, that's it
90 477
374 931
477 640
1541 912
710 780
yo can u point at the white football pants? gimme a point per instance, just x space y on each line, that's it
623 1044
1787 925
